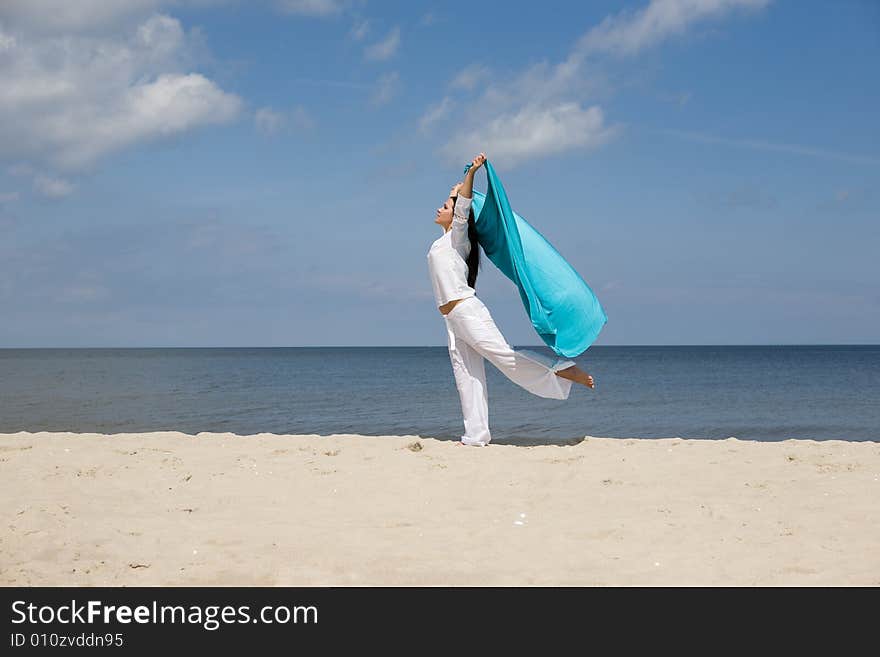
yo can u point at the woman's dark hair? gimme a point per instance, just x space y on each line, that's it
473 259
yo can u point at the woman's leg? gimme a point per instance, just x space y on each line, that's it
531 370
468 367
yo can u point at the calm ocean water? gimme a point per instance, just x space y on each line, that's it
750 392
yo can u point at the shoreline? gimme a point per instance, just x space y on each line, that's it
173 509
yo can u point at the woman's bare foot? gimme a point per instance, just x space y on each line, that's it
577 375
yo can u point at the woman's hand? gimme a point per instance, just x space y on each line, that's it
467 188
476 163
454 191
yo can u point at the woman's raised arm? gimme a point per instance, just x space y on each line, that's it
467 187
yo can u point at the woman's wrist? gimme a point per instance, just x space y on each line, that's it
468 184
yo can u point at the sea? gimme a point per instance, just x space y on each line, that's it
765 393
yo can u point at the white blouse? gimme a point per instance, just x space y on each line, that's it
447 257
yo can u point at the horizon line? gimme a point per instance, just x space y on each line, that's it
777 344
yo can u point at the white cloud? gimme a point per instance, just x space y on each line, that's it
470 77
437 113
270 122
161 36
70 99
629 32
534 132
170 105
386 48
540 111
317 8
386 89
51 187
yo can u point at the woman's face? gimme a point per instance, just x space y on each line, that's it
444 213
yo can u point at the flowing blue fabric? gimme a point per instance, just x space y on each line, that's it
562 307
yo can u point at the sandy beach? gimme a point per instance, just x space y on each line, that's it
172 509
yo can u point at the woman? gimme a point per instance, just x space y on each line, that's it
453 261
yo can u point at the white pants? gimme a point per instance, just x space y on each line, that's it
473 337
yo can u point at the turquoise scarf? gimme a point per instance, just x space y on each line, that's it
562 307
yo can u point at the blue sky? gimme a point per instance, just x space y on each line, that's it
230 173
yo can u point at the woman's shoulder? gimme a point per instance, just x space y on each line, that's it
439 242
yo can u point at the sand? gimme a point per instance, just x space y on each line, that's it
171 509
